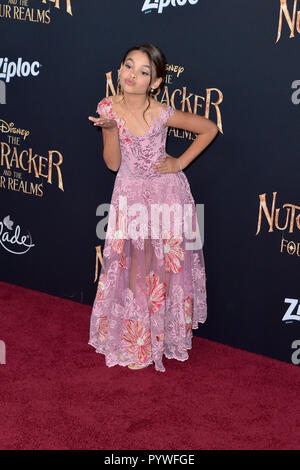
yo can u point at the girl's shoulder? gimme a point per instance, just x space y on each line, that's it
104 106
165 112
161 111
158 107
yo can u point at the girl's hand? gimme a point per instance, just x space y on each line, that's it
167 165
104 122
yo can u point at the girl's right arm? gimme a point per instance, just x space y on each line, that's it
110 134
111 146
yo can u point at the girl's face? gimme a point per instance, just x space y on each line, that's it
135 73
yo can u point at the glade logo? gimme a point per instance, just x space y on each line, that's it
19 69
11 240
159 5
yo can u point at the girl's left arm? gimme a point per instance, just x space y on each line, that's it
206 129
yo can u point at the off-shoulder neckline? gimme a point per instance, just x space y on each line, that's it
156 119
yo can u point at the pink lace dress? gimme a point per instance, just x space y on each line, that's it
151 291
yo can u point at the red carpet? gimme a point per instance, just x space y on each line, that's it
57 393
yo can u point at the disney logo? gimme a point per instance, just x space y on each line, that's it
10 129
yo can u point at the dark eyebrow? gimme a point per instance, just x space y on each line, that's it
129 58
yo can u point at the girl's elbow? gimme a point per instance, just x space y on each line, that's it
111 164
113 168
215 129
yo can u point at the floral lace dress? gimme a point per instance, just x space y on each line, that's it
151 291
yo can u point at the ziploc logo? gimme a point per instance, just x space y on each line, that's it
22 68
160 5
293 312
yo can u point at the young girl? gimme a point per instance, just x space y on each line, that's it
152 287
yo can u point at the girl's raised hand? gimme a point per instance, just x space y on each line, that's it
103 122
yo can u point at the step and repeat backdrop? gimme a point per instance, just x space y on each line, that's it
234 62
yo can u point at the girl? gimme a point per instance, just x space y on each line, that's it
152 287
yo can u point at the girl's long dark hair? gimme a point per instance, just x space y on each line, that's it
156 58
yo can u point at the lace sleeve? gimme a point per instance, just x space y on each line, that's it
103 107
167 112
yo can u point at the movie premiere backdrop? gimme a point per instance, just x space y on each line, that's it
233 61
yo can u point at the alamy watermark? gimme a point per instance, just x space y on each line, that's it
134 221
296 354
2 92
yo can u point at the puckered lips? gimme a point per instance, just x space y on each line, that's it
129 82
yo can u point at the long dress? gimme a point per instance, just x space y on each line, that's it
151 291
